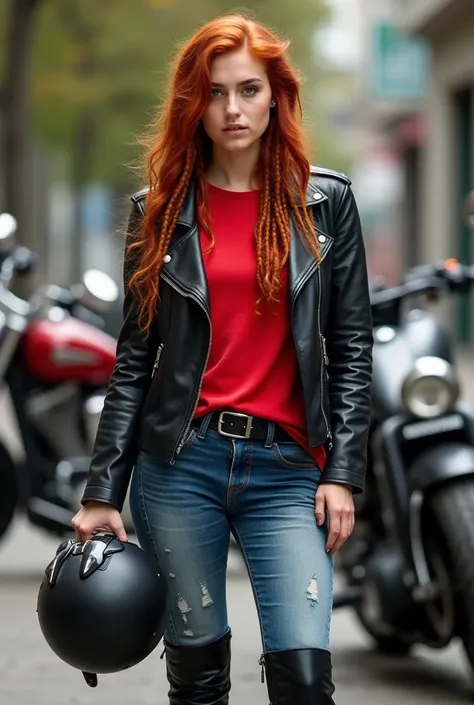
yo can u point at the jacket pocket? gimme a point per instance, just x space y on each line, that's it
156 381
156 364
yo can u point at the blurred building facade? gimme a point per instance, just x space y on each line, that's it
448 156
392 91
416 101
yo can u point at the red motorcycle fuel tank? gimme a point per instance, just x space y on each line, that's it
68 350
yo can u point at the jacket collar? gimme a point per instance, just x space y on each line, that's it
186 267
187 217
314 195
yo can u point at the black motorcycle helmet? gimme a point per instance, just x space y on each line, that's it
102 606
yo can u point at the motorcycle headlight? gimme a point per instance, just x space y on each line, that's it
431 388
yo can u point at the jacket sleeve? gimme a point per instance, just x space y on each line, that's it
116 446
349 343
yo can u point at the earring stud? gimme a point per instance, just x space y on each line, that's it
272 104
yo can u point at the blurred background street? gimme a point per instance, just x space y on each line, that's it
388 100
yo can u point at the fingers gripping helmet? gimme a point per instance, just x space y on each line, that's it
102 606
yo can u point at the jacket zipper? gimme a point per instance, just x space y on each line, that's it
326 358
261 663
190 419
322 347
157 360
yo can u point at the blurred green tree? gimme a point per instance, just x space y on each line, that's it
16 30
99 71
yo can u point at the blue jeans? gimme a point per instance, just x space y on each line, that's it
262 492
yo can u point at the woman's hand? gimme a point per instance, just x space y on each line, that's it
338 501
98 516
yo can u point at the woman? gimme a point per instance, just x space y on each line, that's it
240 395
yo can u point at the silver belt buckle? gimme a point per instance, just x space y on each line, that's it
248 428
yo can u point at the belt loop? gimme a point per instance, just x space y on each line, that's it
204 426
270 434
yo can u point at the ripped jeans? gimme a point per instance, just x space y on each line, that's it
262 492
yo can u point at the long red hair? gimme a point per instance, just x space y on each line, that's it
178 151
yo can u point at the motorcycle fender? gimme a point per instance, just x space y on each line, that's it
441 464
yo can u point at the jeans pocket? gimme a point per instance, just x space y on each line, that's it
292 455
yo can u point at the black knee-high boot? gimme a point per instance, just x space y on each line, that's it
199 675
299 677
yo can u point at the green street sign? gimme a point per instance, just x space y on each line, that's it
399 64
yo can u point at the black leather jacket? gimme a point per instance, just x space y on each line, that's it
155 385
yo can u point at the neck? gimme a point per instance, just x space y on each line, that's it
234 171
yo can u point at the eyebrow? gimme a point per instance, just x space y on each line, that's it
242 83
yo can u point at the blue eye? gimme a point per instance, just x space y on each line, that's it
250 90
215 92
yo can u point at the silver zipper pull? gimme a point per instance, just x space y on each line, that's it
325 354
261 662
157 360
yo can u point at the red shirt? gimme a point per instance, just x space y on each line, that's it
252 367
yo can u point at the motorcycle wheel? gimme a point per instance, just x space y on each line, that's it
390 645
453 509
9 491
369 609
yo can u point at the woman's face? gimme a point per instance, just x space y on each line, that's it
239 110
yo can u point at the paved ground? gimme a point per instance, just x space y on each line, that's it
30 674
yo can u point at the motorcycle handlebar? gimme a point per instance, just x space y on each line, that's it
395 295
428 280
24 260
19 261
458 276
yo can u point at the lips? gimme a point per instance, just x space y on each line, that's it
235 128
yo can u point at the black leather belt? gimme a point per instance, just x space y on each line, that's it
241 426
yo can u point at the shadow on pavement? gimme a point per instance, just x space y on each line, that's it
404 675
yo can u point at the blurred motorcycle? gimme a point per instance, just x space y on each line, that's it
55 360
409 567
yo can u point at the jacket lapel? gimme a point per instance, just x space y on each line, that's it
185 267
302 262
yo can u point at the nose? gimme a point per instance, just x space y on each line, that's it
232 108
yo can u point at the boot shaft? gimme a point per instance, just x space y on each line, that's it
299 677
199 675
